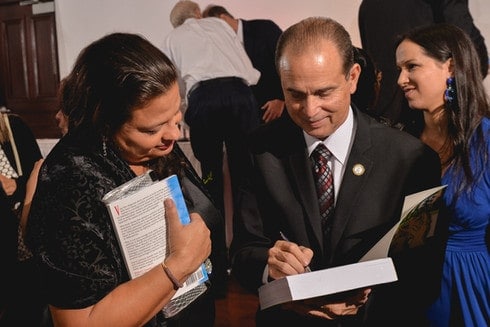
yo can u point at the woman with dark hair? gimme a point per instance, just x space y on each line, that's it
123 105
440 75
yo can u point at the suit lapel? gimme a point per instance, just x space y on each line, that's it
353 182
291 148
301 172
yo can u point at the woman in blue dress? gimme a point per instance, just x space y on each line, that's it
440 75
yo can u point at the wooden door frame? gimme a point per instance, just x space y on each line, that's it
29 70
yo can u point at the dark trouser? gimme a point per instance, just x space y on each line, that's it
221 110
21 300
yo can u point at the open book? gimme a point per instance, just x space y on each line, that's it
416 224
138 215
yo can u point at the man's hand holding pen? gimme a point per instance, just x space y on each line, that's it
288 258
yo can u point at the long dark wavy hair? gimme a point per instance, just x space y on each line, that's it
465 113
111 77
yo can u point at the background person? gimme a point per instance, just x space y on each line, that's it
124 111
367 91
221 108
259 37
440 76
398 17
19 153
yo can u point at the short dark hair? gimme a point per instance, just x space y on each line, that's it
215 11
366 93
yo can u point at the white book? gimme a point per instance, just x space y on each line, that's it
138 216
327 281
416 224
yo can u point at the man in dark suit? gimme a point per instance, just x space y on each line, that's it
398 17
374 168
259 37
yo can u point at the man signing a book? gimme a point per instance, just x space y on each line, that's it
335 202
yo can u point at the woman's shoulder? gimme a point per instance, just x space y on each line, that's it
18 125
69 163
14 118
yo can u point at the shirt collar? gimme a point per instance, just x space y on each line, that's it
339 142
239 33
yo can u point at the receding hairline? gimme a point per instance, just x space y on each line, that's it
313 33
307 48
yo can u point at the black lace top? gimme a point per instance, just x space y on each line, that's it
70 229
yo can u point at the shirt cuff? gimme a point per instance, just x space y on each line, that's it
265 275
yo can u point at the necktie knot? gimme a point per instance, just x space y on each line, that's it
321 151
321 155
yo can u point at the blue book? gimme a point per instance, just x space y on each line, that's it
138 216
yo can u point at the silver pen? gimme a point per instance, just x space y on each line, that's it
307 268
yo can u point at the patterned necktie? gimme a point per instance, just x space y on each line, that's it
324 182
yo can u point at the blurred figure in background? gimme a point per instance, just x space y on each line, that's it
21 305
259 37
62 121
221 108
367 92
62 113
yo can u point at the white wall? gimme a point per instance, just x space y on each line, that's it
480 10
81 22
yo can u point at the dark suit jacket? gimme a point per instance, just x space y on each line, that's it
398 17
259 39
29 153
280 196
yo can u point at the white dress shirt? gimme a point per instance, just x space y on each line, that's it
339 143
208 48
239 31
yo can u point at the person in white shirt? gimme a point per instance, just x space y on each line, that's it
259 38
220 108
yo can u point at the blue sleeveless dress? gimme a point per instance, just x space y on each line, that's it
465 289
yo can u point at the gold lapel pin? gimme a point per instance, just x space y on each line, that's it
358 169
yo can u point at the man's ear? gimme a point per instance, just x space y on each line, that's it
353 77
